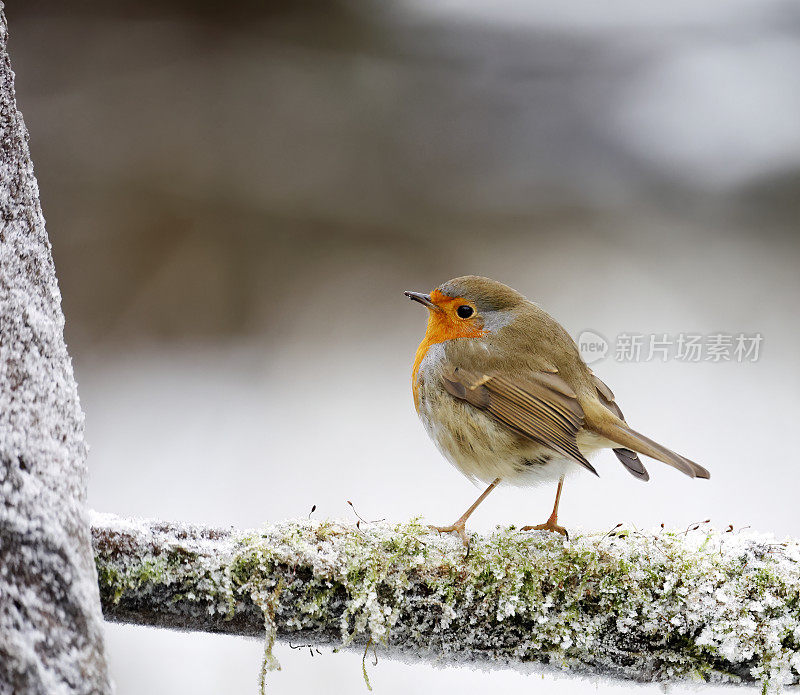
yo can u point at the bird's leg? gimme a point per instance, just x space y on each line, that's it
552 523
459 526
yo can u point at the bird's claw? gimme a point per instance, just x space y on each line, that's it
460 529
549 525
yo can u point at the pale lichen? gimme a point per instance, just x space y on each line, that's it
267 601
659 606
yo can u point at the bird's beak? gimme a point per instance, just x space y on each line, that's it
424 299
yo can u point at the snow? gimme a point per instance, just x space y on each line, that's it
50 621
665 606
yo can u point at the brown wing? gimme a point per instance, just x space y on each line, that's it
541 407
629 459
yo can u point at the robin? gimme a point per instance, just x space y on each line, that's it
503 392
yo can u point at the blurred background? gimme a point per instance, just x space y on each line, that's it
237 195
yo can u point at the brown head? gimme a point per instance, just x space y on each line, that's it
465 307
517 334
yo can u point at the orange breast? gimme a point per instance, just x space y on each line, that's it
442 326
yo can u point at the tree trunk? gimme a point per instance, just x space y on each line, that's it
51 638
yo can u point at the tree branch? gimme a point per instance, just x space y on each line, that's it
698 605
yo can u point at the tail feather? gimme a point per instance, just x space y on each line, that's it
632 464
619 433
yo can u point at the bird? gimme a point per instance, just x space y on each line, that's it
502 390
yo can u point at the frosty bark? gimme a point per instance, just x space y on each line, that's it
663 606
50 618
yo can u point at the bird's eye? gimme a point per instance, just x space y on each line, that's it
465 311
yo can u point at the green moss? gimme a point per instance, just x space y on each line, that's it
624 604
176 569
110 580
149 571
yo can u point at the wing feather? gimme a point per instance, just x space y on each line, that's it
541 407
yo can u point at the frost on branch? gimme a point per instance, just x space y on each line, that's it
50 620
664 606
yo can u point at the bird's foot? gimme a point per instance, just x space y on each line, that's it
549 525
459 527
